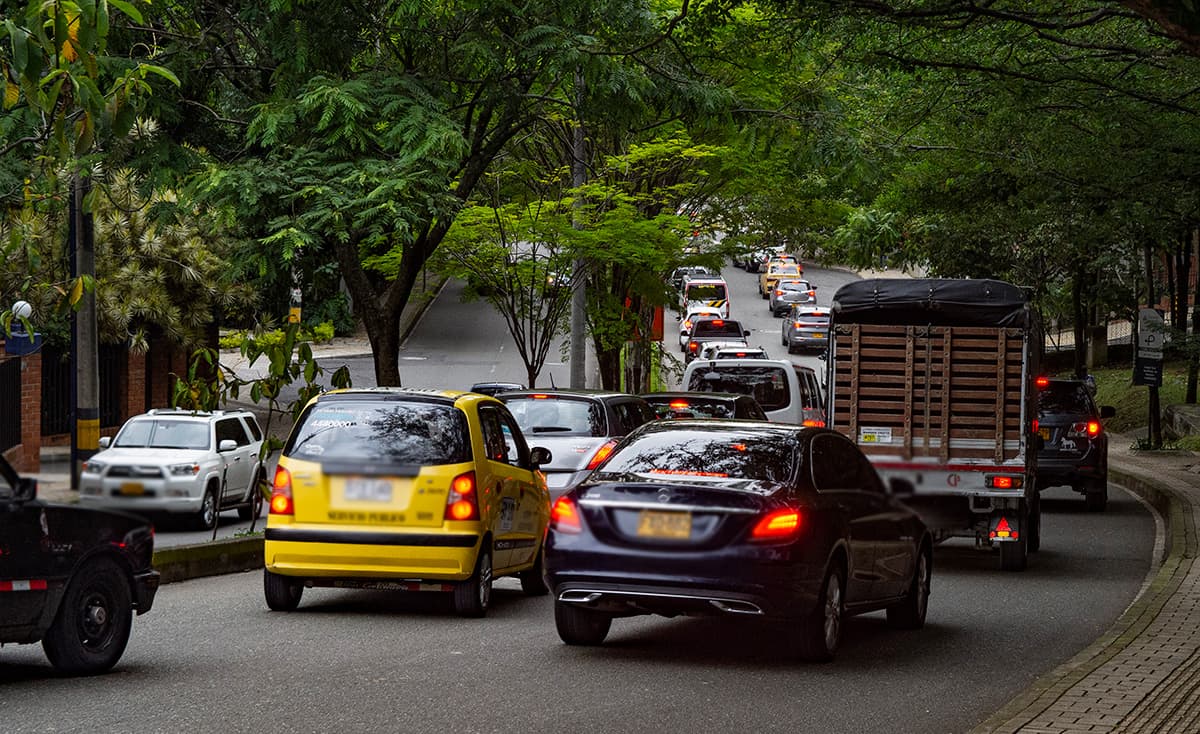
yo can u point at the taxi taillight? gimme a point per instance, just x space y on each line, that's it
778 525
462 502
602 454
564 516
281 493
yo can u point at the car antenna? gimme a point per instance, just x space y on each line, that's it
552 385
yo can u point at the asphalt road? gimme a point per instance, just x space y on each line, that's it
210 658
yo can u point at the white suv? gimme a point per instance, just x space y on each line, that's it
180 462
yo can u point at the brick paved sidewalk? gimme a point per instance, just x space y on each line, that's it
1143 675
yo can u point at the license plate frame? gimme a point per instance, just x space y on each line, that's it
367 489
665 525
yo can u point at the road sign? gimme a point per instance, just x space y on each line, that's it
1148 371
1151 333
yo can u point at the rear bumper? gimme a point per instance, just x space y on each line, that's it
145 586
331 554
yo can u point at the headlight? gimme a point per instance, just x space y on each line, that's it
184 470
93 467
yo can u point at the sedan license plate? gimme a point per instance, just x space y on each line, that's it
1045 433
133 489
655 524
361 489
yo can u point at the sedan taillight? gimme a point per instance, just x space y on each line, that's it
564 516
601 454
778 525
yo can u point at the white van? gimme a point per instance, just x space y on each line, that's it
788 393
705 292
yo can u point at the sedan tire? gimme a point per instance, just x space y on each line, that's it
910 613
473 596
533 579
820 631
91 629
577 626
283 592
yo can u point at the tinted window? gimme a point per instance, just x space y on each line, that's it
766 384
493 435
838 464
1065 397
705 291
695 407
793 285
381 430
760 455
252 424
230 429
717 327
164 434
559 416
785 269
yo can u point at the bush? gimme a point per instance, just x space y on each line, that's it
318 334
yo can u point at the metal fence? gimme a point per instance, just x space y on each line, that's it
10 403
56 389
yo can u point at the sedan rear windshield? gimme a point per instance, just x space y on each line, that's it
695 407
718 327
382 431
558 416
683 453
767 383
164 434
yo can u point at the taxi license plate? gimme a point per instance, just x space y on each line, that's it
133 489
361 489
655 524
1045 433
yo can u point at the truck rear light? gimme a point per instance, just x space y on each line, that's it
1003 481
778 525
1042 383
462 502
281 493
602 454
564 516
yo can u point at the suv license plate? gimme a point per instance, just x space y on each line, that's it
655 524
133 489
359 489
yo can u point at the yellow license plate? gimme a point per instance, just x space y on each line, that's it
819 335
1045 433
655 524
133 489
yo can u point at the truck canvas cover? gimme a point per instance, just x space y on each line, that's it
931 301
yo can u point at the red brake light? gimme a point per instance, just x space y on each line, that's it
778 292
693 346
281 493
602 453
687 324
540 396
778 525
564 517
1093 428
679 403
718 323
1003 482
1042 383
1035 425
814 423
461 500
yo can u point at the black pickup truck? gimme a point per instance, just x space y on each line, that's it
70 577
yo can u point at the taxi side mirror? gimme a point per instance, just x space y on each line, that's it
539 455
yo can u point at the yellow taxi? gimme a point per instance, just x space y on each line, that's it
777 269
408 490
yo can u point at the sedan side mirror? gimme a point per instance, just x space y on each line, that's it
539 455
227 444
745 332
1107 411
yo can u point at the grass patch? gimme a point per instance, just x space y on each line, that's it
1114 386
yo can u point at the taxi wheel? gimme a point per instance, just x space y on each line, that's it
578 626
283 593
473 596
533 579
91 629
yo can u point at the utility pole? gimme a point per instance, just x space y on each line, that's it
1154 430
85 398
578 352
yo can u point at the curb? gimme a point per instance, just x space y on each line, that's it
1181 547
183 562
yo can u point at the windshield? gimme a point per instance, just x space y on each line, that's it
164 434
767 383
1065 397
381 430
558 416
705 291
759 455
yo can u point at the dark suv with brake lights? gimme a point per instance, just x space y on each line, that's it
1074 449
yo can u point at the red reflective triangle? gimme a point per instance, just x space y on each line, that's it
1002 526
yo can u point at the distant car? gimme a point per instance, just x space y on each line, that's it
684 272
744 520
181 462
694 314
767 255
579 427
712 292
492 388
714 330
787 392
731 350
408 490
680 405
789 292
1074 449
70 577
777 270
805 327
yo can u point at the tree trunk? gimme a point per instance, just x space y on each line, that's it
609 363
1183 269
1194 354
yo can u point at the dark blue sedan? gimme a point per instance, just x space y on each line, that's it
764 521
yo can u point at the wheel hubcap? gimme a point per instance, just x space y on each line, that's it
94 621
485 581
833 612
922 585
209 511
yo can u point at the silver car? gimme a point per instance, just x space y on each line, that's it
789 292
805 327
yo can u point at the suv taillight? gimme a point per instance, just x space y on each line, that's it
1085 429
281 493
462 502
693 346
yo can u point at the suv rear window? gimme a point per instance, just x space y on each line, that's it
767 383
718 327
381 430
558 416
1065 397
164 434
705 291
714 454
